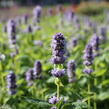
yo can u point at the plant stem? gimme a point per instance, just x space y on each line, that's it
2 78
58 91
95 83
89 95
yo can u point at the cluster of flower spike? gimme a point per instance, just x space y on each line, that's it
88 58
11 81
34 73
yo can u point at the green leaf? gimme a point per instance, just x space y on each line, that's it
67 106
105 82
41 103
103 95
100 72
80 105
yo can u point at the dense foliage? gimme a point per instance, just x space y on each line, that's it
67 71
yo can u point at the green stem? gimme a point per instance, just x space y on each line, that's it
89 95
58 91
95 105
2 78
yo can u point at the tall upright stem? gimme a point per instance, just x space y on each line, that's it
89 88
58 91
95 104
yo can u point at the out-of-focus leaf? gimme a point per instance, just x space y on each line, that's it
100 72
41 103
103 95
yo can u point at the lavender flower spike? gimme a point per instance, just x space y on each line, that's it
95 44
88 56
58 48
88 59
11 27
30 77
11 82
37 13
71 69
37 69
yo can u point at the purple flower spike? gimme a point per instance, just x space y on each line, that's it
37 13
11 27
88 56
95 42
103 31
37 69
58 48
11 82
71 69
30 77
88 59
74 42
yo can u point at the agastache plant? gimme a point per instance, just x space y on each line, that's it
11 28
95 44
88 62
103 34
37 70
12 37
11 83
88 59
58 51
74 42
30 77
37 13
71 70
25 18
